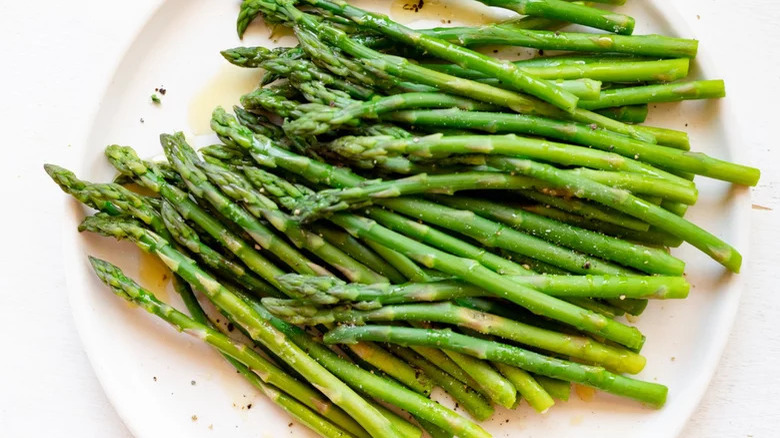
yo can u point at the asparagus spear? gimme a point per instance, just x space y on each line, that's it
406 266
605 70
618 359
559 389
588 210
536 396
509 74
314 123
623 201
571 12
664 157
444 241
183 158
652 261
287 194
114 199
379 387
650 237
325 202
239 189
324 290
358 250
476 274
628 114
676 92
496 235
256 325
261 373
640 45
437 146
380 64
126 161
496 387
257 123
184 235
651 393
472 401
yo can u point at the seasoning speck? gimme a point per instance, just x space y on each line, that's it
155 99
194 418
192 382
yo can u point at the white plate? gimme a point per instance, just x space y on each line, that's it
148 370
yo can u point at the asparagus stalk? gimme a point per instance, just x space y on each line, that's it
664 157
314 123
618 359
558 389
652 394
588 210
287 194
623 201
668 137
638 45
496 235
536 396
380 63
569 12
496 387
379 387
604 70
472 401
302 402
650 237
476 274
258 327
437 146
676 92
629 114
323 290
406 266
239 189
410 376
114 199
652 261
183 158
509 74
257 123
126 161
184 235
444 241
359 251
329 201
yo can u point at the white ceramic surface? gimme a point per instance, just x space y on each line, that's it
147 369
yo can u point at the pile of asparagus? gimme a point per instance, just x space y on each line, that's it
392 211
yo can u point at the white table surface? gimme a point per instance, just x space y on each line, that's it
56 57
